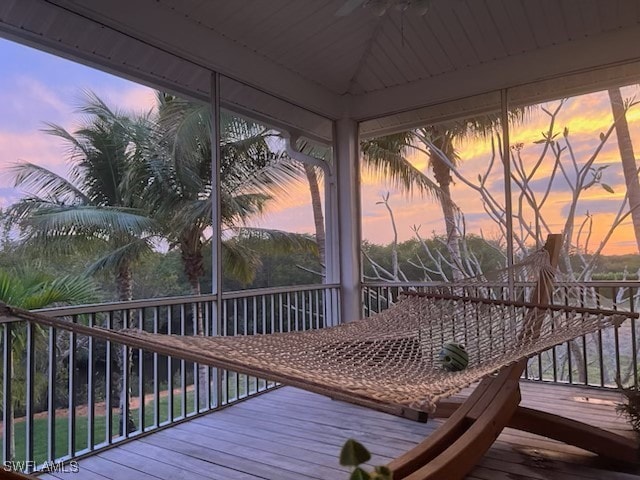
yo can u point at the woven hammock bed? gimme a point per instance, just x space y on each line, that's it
391 359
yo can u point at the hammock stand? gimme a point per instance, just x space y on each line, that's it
387 362
452 451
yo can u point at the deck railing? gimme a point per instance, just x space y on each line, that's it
66 395
594 360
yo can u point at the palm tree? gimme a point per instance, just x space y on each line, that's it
177 173
178 178
386 157
445 137
27 288
98 207
627 157
318 217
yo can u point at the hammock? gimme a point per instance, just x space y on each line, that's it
391 358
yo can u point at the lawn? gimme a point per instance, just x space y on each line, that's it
40 424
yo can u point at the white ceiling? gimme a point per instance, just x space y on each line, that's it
360 65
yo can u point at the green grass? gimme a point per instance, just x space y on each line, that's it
40 428
40 425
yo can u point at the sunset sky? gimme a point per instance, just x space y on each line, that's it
585 118
36 87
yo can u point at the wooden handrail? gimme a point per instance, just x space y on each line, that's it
521 304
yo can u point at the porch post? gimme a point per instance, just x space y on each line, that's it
347 150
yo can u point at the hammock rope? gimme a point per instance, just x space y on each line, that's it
391 358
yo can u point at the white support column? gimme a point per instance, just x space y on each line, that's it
332 249
347 150
332 228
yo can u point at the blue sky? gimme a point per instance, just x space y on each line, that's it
36 87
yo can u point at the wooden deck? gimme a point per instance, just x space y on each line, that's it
292 434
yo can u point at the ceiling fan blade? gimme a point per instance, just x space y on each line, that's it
348 7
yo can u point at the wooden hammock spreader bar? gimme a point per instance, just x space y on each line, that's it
454 449
521 304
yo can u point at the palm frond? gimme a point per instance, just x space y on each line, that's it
238 261
189 213
320 152
386 159
30 289
48 184
69 220
241 258
10 289
186 130
76 147
481 126
124 255
62 291
92 105
240 208
23 209
278 241
62 243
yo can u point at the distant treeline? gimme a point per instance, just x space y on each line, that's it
160 274
617 267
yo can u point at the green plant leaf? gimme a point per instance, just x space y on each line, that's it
360 474
383 473
607 187
353 454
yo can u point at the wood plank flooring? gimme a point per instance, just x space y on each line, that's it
291 434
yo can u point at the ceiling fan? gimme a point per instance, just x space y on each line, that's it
380 7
